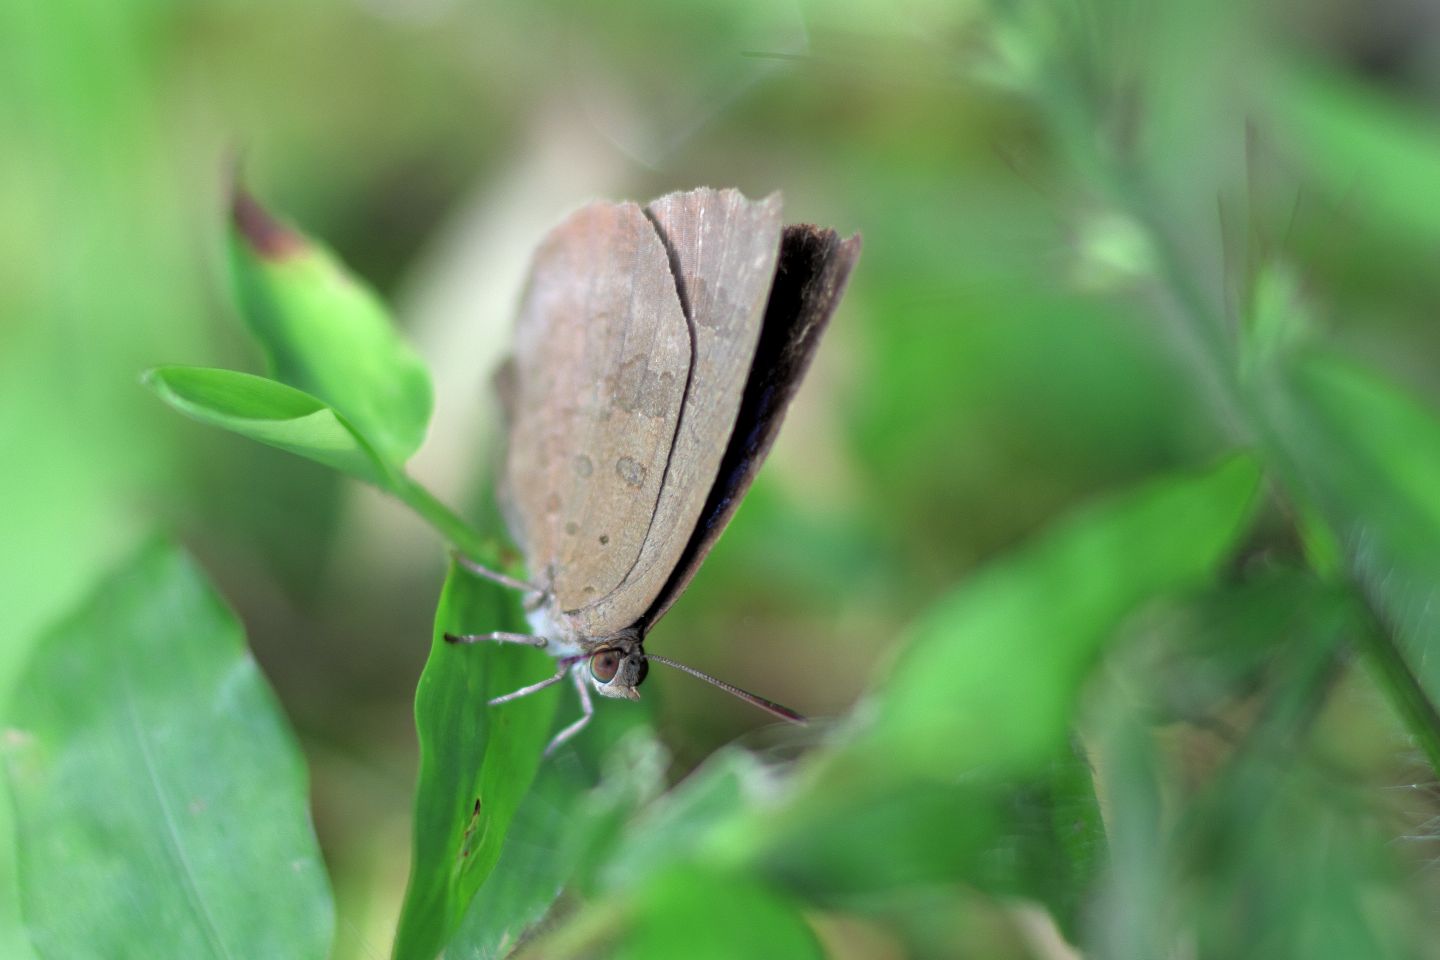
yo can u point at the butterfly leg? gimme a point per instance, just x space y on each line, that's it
498 636
565 665
533 594
587 710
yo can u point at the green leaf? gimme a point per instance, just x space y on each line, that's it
696 914
681 826
327 334
849 833
530 874
852 839
1193 657
1379 153
563 821
989 678
272 413
1051 843
160 796
476 762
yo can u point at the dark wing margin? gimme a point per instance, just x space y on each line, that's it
810 278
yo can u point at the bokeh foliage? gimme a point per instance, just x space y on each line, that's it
1120 260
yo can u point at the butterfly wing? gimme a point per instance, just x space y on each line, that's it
595 387
723 251
813 269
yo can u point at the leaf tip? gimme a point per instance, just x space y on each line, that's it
151 379
267 237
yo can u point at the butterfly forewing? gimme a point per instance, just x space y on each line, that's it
601 360
722 250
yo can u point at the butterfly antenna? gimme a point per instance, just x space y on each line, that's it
769 706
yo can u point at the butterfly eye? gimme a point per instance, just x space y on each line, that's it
604 665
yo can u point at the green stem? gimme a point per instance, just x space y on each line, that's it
447 523
1406 695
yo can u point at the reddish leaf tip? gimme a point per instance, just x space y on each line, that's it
267 236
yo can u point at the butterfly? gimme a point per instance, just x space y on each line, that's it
656 351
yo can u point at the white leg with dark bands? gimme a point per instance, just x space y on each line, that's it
587 710
499 636
494 575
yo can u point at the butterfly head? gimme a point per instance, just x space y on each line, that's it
617 667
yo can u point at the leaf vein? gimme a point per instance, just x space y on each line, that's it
176 849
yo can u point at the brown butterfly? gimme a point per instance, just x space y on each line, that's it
656 352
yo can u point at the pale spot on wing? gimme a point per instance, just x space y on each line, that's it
631 472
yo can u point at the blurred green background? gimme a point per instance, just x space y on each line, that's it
1002 355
